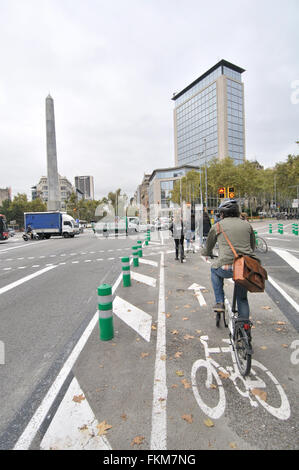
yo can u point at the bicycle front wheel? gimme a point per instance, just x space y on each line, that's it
242 350
261 245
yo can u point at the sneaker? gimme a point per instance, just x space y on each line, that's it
219 307
176 258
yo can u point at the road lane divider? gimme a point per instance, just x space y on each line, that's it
126 271
105 312
12 285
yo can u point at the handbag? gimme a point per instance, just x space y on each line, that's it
247 271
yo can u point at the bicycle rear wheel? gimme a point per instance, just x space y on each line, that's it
261 245
242 350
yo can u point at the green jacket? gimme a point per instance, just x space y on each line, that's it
241 235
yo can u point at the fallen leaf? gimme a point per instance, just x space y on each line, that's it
198 332
168 315
154 327
223 375
209 423
213 386
124 417
185 318
174 332
142 355
161 399
83 428
178 354
285 345
150 302
78 398
266 307
233 445
188 418
186 383
264 348
137 440
188 337
259 393
174 386
103 428
187 306
163 358
280 323
179 373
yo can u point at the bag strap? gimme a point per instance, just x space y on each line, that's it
219 230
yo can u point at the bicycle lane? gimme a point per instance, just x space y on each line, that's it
228 415
114 381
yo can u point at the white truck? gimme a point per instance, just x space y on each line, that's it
48 224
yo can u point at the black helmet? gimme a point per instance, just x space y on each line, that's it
229 208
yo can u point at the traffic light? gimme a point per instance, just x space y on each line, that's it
231 192
221 193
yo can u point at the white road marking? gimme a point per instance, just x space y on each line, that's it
148 261
150 281
74 425
136 318
25 279
283 293
159 418
290 259
198 294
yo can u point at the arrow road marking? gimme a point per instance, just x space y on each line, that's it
198 294
133 316
74 425
150 281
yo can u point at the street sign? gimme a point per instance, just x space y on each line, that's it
295 203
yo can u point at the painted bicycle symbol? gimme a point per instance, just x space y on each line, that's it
211 371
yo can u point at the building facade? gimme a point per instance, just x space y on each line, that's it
86 185
161 183
209 117
5 194
41 190
142 198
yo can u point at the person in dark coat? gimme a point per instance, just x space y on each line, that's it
206 224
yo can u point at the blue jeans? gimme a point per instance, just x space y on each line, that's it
217 276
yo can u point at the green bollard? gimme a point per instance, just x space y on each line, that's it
255 234
139 248
149 235
270 228
135 256
296 230
126 271
105 312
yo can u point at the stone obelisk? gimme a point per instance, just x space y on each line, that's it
54 202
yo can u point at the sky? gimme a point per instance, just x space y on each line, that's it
112 68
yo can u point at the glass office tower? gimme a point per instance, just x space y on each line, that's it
209 117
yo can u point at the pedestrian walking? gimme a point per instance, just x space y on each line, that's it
177 230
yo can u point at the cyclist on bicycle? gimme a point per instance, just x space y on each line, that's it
241 235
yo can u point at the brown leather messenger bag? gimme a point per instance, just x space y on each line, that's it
247 271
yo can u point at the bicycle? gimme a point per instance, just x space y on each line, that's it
212 400
261 244
239 334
